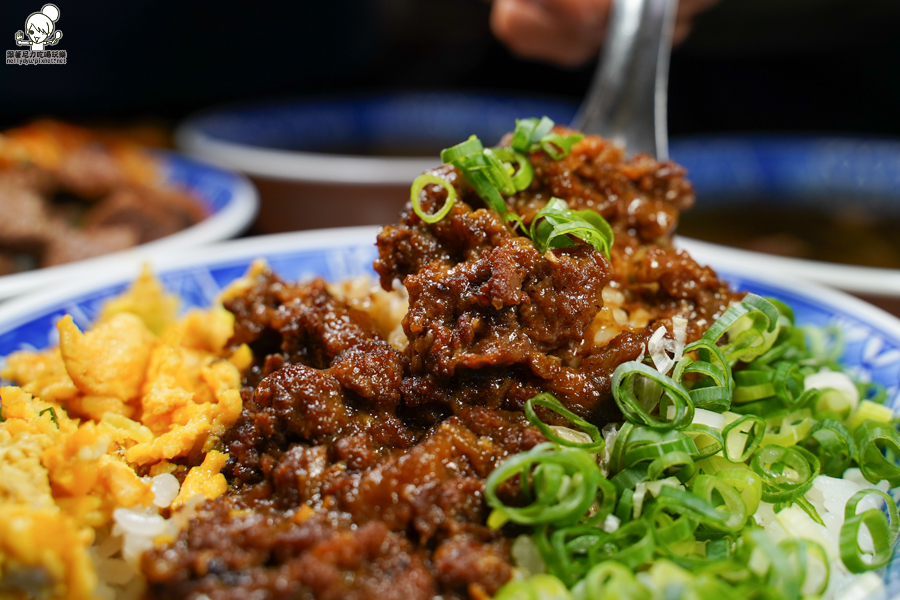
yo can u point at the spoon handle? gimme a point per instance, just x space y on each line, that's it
627 98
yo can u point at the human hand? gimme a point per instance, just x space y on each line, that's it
568 32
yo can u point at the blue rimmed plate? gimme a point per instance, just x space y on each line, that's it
230 201
872 336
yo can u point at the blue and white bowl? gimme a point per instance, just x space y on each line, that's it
794 171
323 140
872 349
229 199
316 162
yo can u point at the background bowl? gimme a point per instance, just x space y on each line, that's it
852 177
230 201
872 337
348 160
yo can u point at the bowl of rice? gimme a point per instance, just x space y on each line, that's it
115 478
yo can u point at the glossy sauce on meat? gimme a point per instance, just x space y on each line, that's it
357 470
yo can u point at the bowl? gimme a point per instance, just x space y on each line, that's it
229 199
857 179
348 160
872 337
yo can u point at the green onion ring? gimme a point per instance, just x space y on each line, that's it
498 173
419 184
524 174
799 550
700 433
610 580
883 530
750 342
552 467
631 544
471 146
872 439
708 487
669 460
623 392
567 544
646 444
787 473
738 452
683 502
747 483
833 445
550 402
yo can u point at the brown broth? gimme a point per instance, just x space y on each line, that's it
850 236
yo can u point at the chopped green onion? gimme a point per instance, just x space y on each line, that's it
787 473
631 544
558 147
752 328
52 412
833 445
869 411
523 175
563 485
416 190
685 482
798 552
610 580
594 443
746 482
624 391
531 135
708 440
644 444
789 429
471 146
553 224
536 587
872 440
699 508
481 173
883 530
665 463
742 437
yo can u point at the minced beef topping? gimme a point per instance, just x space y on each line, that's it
357 470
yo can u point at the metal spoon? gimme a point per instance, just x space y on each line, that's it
627 98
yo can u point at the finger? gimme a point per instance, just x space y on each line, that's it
567 32
687 10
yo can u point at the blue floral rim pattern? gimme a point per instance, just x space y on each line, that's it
391 120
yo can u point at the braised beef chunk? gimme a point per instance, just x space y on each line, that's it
462 235
69 194
230 552
357 470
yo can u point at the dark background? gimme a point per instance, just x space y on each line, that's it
749 65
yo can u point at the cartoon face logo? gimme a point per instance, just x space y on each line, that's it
41 29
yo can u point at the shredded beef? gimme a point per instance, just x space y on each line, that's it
358 470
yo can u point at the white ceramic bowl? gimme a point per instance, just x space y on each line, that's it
230 200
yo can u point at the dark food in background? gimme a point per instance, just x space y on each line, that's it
67 195
357 470
854 234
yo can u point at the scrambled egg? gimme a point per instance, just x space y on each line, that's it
93 421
